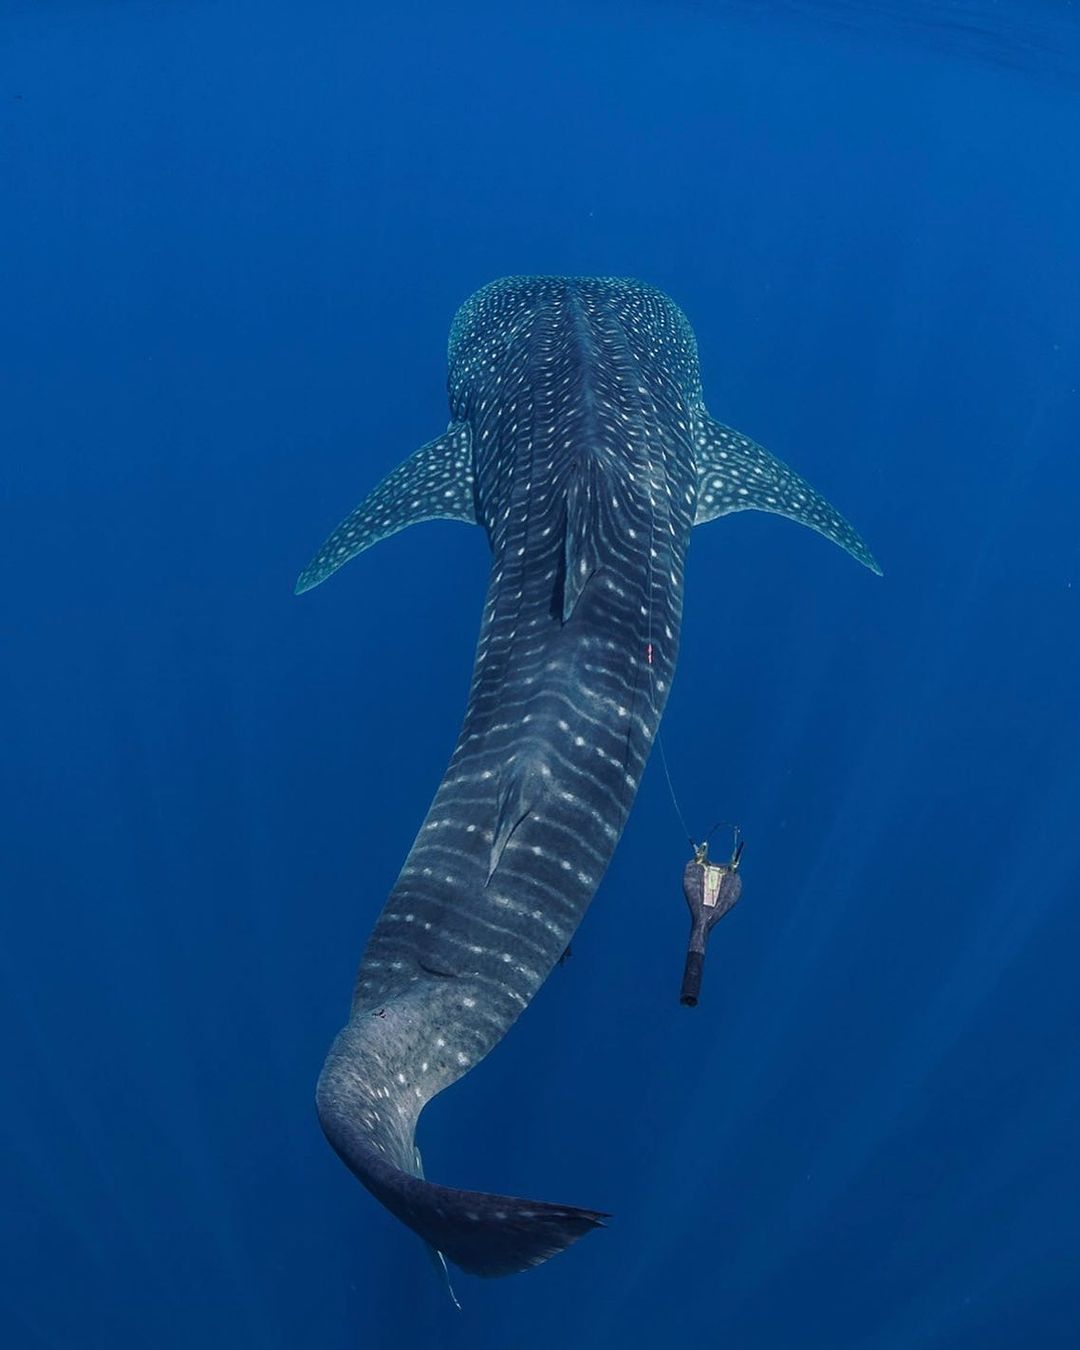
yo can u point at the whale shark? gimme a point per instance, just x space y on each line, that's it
580 443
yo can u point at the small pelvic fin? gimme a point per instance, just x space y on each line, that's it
435 483
736 474
521 789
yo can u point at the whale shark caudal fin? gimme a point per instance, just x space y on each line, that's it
435 483
735 474
483 1234
371 1132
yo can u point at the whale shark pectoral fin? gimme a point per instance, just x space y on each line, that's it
435 483
736 474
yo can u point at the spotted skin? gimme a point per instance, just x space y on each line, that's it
577 441
736 474
435 483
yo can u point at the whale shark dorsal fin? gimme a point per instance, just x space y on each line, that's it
736 474
435 483
579 532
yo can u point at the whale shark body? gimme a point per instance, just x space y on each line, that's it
580 443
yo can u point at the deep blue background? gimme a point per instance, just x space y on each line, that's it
232 237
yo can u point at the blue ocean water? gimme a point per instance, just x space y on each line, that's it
232 239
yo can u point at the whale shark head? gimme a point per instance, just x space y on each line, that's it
521 313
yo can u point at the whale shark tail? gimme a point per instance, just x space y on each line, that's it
480 1233
483 1234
